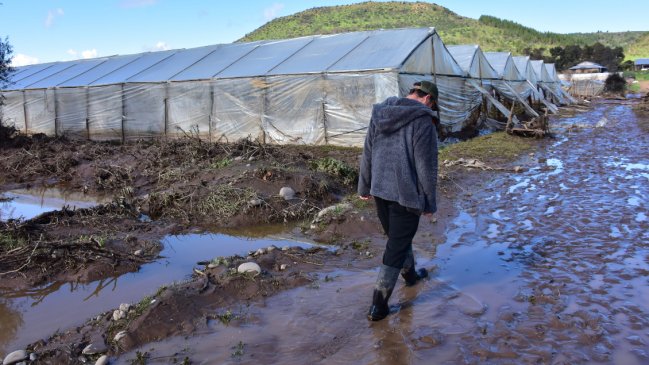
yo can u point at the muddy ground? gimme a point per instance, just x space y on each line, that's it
162 187
177 186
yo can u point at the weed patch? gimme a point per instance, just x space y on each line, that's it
337 168
495 146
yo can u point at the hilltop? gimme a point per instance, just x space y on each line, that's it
490 32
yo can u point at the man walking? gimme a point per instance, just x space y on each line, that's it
399 169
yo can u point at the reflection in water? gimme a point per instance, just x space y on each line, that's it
28 204
60 305
10 322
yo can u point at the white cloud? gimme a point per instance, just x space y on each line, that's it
23 60
136 3
89 53
161 46
270 13
51 15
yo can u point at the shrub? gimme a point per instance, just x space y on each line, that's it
615 83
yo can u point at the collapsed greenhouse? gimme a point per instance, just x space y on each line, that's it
511 83
308 90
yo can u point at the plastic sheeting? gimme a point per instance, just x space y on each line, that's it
504 65
457 99
237 109
354 51
516 91
473 62
13 111
349 101
513 85
40 111
71 112
586 87
443 62
294 112
308 90
493 100
524 66
105 113
585 84
189 106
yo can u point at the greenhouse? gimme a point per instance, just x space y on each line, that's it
479 76
310 90
511 83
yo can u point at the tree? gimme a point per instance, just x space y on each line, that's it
5 59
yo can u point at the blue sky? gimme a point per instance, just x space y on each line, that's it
61 30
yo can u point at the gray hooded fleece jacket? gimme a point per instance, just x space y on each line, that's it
399 160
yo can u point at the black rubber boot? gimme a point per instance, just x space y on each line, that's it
385 283
380 308
412 276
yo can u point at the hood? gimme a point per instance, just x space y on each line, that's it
395 113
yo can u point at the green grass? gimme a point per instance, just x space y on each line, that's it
8 242
638 75
496 146
337 168
225 162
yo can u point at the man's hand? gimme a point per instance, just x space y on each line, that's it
365 197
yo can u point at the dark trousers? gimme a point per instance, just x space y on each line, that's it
400 225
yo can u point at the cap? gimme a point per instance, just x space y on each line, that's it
428 87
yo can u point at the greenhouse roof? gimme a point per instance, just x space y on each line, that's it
472 61
503 63
345 52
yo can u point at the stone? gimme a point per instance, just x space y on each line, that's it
15 357
119 336
287 193
33 357
137 253
124 307
98 347
283 267
271 248
334 210
259 252
255 202
249 267
103 360
118 314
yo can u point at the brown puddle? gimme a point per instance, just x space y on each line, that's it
29 203
547 266
27 316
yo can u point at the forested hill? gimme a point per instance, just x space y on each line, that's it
491 33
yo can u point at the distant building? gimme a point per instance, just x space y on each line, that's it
642 64
588 67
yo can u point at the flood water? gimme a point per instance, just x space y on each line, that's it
547 266
27 316
29 203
